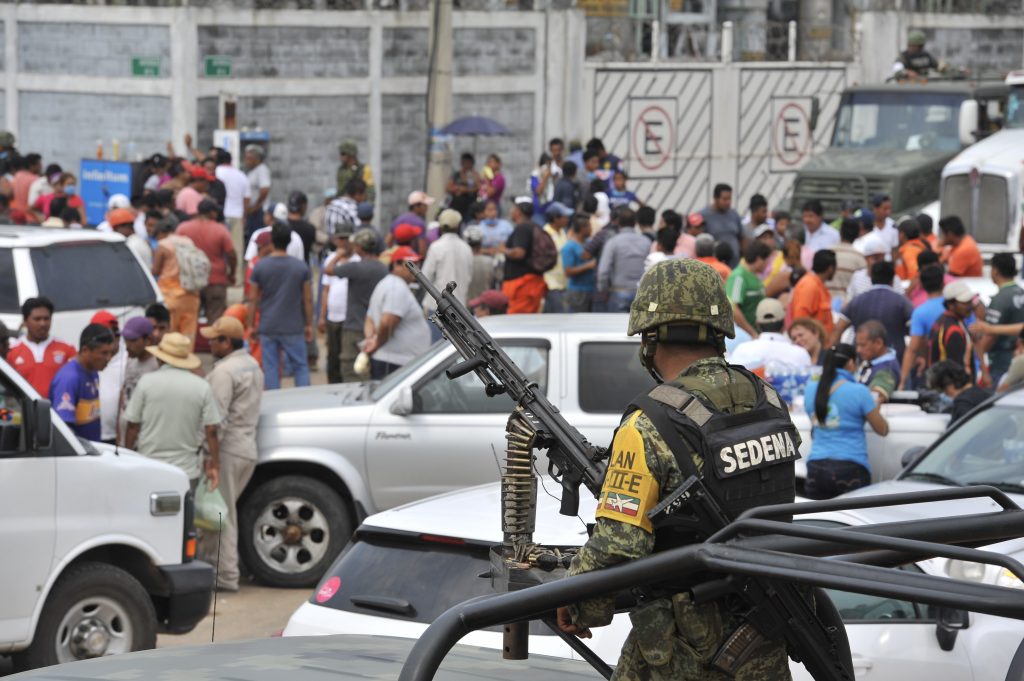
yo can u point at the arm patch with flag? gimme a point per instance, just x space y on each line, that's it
629 489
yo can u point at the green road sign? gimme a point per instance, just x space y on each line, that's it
217 66
146 67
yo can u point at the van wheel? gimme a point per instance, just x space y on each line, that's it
95 609
291 529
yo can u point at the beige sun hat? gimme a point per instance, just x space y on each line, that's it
175 349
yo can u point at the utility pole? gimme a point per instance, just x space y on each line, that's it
439 97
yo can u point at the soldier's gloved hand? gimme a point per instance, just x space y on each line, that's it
565 623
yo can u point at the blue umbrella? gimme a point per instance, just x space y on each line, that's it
474 126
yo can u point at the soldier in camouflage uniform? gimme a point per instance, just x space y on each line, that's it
352 169
672 638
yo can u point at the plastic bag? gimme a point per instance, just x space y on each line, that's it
211 509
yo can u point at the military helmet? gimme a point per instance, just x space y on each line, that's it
348 147
6 139
366 239
916 38
681 291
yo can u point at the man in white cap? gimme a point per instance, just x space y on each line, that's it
949 338
419 203
237 383
172 411
771 353
449 259
874 249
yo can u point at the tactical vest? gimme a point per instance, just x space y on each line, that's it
748 457
921 62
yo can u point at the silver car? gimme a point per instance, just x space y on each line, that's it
331 455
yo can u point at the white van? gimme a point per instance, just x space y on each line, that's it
98 544
81 270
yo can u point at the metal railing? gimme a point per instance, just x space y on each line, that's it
848 559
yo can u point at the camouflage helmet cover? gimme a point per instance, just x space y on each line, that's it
681 291
348 147
366 238
916 38
6 139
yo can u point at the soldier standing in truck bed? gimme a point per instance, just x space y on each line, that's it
707 419
915 61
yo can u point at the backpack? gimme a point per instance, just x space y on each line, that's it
193 265
543 254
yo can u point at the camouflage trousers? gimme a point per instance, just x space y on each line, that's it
673 639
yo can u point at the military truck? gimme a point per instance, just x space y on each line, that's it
984 184
895 138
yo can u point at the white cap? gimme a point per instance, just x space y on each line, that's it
118 201
281 212
872 244
958 291
764 228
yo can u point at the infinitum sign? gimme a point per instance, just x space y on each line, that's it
99 181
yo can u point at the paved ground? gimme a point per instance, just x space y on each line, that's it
254 612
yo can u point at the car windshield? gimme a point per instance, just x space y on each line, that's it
408 577
898 121
87 276
1015 108
987 448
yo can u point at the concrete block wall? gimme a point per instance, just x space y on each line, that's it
983 50
288 51
92 49
309 78
404 158
494 51
405 52
64 126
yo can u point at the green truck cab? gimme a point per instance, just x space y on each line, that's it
895 138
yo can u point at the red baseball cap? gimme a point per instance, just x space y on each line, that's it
198 172
106 319
695 219
404 253
405 233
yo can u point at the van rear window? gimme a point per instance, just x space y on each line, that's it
407 577
9 289
86 276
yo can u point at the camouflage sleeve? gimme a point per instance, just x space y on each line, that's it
638 466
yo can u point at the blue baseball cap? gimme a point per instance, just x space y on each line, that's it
557 209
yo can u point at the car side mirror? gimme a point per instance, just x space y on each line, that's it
42 425
911 455
949 622
402 406
967 125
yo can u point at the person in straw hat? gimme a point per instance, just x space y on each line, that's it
170 409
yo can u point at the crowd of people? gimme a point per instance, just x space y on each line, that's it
821 304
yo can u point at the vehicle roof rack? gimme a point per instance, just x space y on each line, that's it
818 557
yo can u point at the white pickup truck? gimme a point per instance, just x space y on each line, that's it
98 543
331 455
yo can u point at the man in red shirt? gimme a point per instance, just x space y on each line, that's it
37 356
213 239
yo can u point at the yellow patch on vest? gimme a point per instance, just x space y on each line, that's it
629 490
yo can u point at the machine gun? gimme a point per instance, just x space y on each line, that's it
775 608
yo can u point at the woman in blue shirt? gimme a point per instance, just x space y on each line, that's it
838 406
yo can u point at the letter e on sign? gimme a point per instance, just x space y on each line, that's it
791 136
652 137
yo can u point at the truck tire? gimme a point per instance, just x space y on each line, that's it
291 529
94 609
